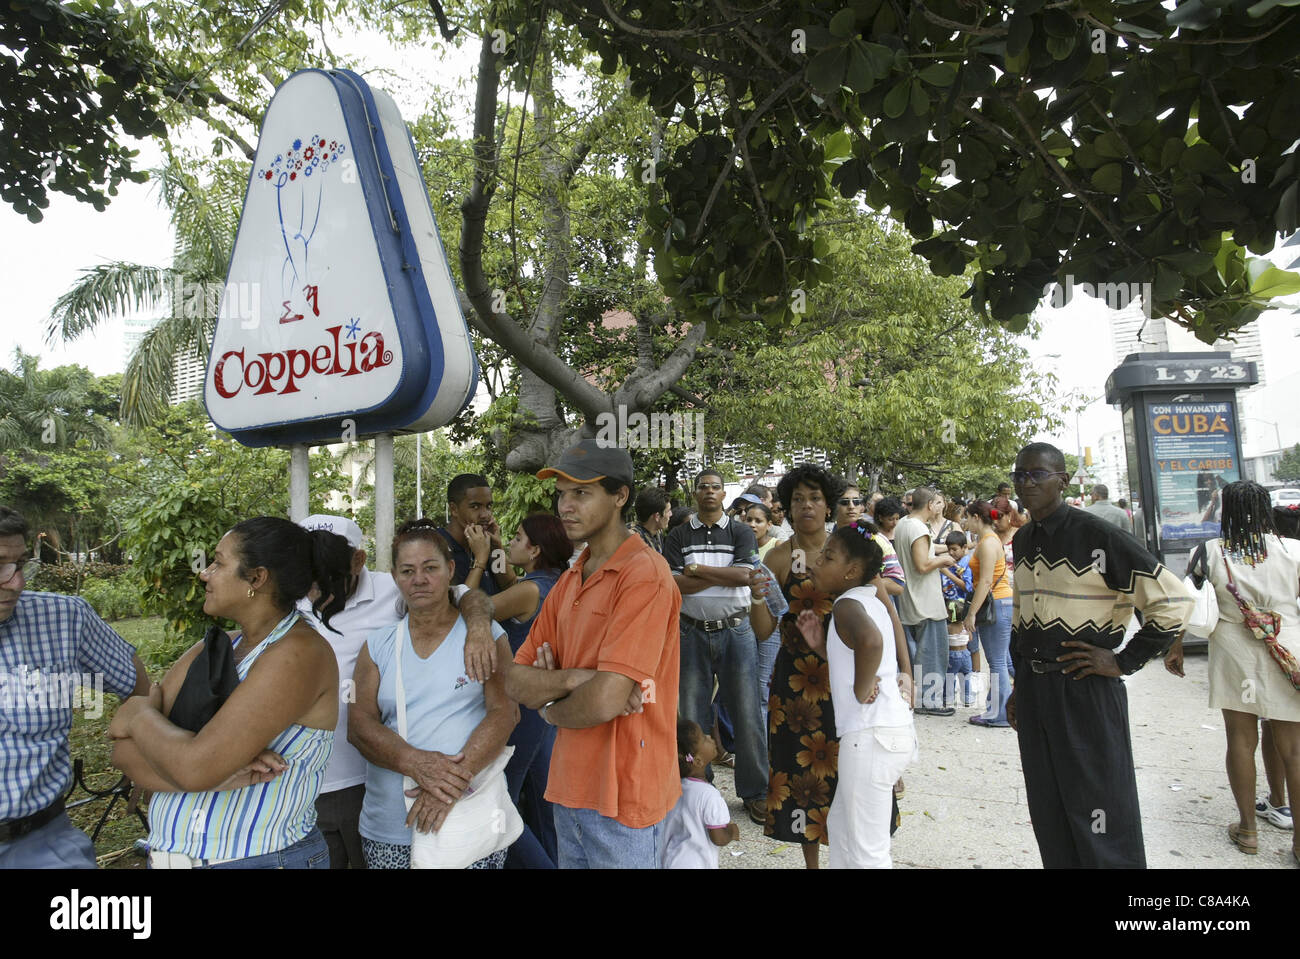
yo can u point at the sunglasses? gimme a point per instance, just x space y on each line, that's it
1023 477
852 501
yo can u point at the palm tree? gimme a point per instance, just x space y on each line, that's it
204 218
47 409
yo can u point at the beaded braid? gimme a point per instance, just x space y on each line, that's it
1247 519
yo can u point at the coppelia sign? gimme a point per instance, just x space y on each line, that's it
339 315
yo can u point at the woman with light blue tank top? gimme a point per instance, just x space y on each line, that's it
238 790
454 727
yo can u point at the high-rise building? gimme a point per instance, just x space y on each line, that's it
188 371
1132 331
1110 465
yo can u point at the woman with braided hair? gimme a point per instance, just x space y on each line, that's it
1252 570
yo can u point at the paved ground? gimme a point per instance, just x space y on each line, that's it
965 800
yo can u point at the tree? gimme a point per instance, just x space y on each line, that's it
71 76
1024 144
52 408
56 436
1287 469
193 483
204 217
897 378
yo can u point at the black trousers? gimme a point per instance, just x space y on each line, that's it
338 816
1078 764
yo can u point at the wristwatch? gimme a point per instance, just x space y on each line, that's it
542 712
692 568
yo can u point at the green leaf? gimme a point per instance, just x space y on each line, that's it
920 99
837 145
1273 282
880 57
1201 158
1108 145
1108 178
939 74
826 70
844 23
860 76
897 98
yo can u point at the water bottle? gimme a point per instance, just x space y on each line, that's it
772 595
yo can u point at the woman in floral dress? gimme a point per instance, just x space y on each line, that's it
802 748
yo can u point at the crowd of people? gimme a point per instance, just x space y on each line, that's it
562 698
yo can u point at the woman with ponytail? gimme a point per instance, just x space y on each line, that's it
992 578
235 781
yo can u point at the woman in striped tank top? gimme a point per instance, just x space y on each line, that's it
241 792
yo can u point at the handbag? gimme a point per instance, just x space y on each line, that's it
208 683
481 822
1205 614
986 615
1265 624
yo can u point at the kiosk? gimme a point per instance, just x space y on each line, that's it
1182 443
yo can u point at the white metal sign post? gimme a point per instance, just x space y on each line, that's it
339 319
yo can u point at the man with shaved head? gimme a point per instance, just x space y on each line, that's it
1077 581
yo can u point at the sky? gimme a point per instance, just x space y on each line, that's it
40 261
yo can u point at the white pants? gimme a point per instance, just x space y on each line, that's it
871 760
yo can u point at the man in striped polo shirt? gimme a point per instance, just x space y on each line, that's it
1077 583
712 557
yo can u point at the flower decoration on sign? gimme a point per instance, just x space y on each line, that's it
299 212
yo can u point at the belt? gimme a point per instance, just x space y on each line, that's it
16 828
714 625
178 860
1046 665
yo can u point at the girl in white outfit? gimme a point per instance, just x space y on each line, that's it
872 720
700 823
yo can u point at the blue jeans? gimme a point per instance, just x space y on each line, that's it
927 641
766 663
587 840
309 852
731 655
996 640
533 739
959 670
56 845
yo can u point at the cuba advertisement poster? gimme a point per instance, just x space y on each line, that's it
1194 455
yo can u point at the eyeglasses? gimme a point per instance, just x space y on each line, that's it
852 501
29 569
1023 477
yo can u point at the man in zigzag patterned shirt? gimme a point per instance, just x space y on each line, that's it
1077 583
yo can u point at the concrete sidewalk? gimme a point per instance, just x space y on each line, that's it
965 800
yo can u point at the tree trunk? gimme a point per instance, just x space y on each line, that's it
540 433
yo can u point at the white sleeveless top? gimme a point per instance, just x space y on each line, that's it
888 709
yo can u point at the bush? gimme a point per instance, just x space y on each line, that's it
114 598
63 577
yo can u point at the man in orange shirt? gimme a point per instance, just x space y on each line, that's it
601 662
